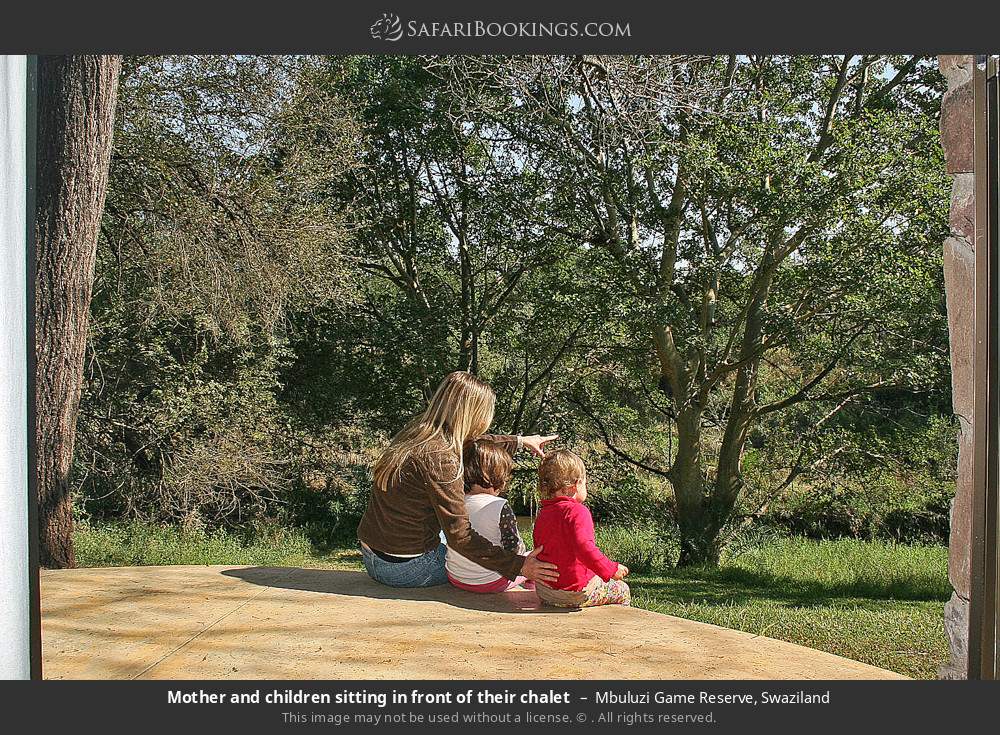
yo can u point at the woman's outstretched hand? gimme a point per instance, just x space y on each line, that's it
537 443
537 570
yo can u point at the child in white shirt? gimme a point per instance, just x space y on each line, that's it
488 469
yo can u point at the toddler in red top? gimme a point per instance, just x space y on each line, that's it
564 529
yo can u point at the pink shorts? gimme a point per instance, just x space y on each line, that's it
501 585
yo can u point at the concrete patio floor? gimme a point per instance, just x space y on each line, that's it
219 622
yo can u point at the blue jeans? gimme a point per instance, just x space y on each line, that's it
426 570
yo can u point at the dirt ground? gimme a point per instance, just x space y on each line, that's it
218 622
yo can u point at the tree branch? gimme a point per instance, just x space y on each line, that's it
622 454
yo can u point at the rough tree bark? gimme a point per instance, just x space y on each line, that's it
76 104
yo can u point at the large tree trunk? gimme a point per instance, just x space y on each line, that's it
694 513
729 475
76 103
701 523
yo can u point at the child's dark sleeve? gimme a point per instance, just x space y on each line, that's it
510 539
581 525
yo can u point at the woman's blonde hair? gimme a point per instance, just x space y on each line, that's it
460 409
558 470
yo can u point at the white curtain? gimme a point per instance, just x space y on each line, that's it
14 610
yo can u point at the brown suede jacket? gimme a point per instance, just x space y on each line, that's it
429 497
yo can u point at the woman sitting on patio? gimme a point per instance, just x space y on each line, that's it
419 494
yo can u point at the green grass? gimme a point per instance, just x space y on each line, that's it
876 602
139 544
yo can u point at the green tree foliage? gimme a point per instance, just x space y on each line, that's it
769 227
717 277
462 270
216 231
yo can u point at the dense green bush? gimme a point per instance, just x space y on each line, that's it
332 491
640 548
632 501
879 510
891 481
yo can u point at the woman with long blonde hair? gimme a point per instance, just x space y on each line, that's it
419 494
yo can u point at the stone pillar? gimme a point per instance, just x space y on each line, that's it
958 141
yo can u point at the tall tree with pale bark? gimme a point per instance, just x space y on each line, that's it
746 212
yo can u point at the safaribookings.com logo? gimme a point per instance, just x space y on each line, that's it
390 28
387 28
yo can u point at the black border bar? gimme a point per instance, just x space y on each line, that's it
582 707
328 26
